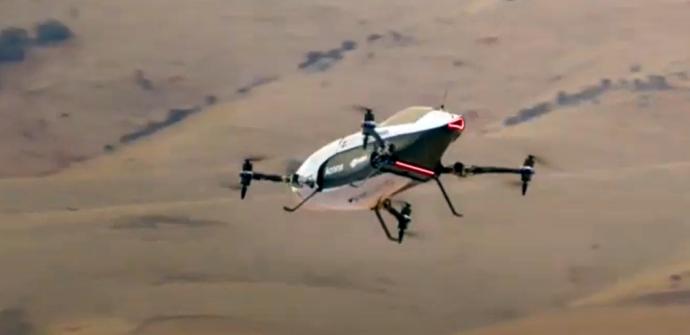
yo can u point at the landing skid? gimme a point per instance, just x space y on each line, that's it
445 196
288 209
402 216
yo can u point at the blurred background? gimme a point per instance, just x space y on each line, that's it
123 123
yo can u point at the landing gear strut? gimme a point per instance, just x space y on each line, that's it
402 215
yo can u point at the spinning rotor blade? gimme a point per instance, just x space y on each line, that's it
247 173
541 160
255 158
369 124
363 109
527 171
529 161
291 166
512 183
517 184
524 188
231 185
412 234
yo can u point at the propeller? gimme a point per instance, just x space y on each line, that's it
247 173
415 235
540 160
369 124
362 109
526 172
291 166
443 101
235 186
255 158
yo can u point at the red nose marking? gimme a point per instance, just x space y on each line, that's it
457 124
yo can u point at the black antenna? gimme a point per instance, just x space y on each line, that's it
445 95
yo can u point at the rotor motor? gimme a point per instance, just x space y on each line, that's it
246 176
526 172
368 126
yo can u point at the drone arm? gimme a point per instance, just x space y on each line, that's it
461 170
272 177
247 176
293 179
525 171
473 170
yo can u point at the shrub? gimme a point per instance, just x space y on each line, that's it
14 37
12 44
348 45
10 53
52 31
211 99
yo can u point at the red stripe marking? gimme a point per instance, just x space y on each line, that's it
413 168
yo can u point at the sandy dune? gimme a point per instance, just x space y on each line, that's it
145 238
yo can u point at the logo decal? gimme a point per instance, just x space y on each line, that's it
358 160
334 169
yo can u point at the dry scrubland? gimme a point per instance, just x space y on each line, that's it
117 146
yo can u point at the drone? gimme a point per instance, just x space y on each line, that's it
366 170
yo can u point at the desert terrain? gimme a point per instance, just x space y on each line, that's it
117 147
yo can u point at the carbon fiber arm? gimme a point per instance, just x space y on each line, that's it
526 171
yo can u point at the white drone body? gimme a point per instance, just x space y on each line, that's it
367 169
367 192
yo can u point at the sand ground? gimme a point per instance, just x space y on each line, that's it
144 238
